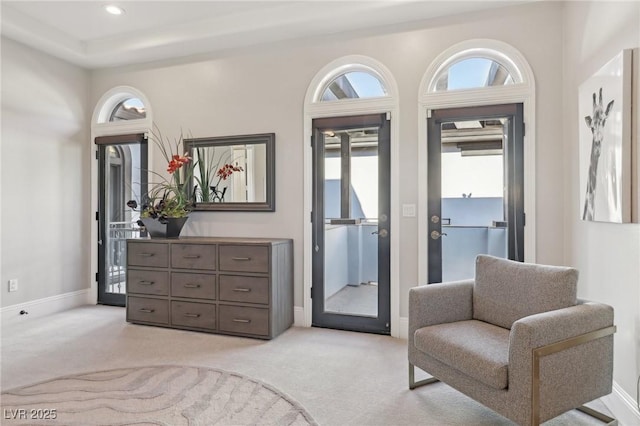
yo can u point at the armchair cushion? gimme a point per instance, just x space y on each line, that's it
505 291
475 348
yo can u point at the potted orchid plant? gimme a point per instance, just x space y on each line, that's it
166 207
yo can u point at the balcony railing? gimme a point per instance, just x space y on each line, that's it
116 248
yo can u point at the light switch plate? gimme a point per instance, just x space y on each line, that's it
409 210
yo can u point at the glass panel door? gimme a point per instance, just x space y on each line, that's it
351 224
121 178
475 184
473 199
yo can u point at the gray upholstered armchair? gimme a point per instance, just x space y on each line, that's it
515 339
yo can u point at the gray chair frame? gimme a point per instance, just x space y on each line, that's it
444 373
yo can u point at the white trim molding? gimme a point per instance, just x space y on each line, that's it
622 406
298 316
46 306
404 328
100 126
314 108
522 91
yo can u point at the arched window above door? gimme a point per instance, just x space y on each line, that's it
477 65
472 73
353 85
351 79
123 106
129 109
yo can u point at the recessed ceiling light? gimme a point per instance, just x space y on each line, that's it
114 10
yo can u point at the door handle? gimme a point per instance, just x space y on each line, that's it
381 233
435 235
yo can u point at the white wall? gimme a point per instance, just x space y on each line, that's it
45 175
607 255
262 90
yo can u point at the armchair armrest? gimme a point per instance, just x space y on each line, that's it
567 351
545 328
440 303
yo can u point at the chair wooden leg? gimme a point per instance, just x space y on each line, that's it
412 378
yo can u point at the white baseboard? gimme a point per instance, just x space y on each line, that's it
404 328
47 306
298 316
622 406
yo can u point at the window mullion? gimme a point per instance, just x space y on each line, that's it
345 161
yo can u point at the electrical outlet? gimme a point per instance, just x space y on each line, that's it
13 284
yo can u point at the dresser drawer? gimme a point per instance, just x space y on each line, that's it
242 319
244 258
148 254
148 282
190 314
148 310
198 286
193 256
237 288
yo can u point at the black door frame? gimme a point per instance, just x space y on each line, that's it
514 158
103 143
382 323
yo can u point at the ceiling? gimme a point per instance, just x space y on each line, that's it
82 33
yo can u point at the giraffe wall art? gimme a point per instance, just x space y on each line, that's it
596 122
605 144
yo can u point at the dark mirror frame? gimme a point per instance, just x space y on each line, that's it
269 139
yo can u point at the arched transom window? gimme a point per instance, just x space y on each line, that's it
123 106
354 85
128 109
475 69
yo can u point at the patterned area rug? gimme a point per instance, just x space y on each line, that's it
157 395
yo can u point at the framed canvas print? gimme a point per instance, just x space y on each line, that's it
605 142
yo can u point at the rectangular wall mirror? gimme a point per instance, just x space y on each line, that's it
233 173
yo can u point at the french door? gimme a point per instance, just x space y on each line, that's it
122 177
475 184
351 223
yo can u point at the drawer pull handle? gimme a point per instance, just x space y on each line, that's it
191 256
192 315
246 321
147 311
192 286
243 290
147 254
241 258
146 282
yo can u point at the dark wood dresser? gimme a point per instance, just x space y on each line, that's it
239 286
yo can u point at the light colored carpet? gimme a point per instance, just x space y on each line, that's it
339 377
162 395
